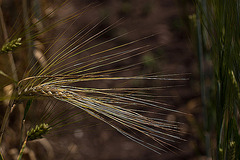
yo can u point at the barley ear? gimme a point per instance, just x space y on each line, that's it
231 150
38 132
10 46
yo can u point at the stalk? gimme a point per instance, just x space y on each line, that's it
222 23
202 82
14 74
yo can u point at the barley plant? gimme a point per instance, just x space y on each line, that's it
218 39
73 73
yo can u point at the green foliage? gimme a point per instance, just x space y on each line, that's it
1 157
29 102
221 36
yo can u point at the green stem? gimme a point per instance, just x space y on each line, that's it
22 149
1 157
202 82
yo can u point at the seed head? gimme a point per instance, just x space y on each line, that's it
11 45
38 132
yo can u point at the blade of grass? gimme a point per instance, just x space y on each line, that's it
1 157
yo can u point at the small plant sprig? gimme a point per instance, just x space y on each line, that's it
10 46
38 132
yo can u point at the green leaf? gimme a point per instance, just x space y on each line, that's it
29 102
1 157
7 76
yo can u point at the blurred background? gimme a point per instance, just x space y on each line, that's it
174 53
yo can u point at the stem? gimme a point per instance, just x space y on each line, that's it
27 34
22 149
202 81
14 74
4 123
10 56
